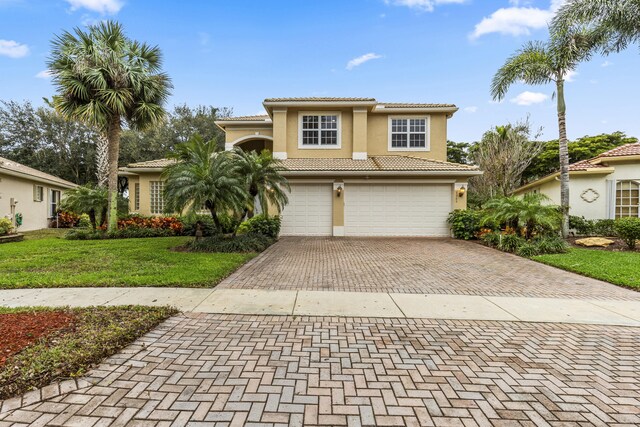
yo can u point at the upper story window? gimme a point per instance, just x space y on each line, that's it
409 133
321 130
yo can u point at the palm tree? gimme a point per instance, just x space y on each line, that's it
88 200
107 80
617 22
263 180
530 213
203 178
541 63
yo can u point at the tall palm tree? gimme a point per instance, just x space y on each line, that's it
263 180
89 200
107 80
539 63
203 177
617 22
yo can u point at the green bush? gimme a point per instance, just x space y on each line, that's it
628 229
465 224
550 244
189 225
527 250
510 243
250 242
84 221
604 227
583 226
5 226
492 238
124 233
261 224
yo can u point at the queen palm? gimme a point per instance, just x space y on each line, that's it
203 178
539 63
616 21
107 80
264 181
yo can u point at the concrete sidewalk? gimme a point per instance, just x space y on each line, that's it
342 304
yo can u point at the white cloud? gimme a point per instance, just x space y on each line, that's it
422 5
529 98
471 109
13 49
361 60
44 74
101 6
606 64
569 76
517 20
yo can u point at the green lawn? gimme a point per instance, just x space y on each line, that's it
45 260
620 268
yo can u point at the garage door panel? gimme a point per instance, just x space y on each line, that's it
309 211
397 209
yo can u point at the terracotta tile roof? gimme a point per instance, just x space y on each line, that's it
414 105
257 118
319 99
623 150
583 165
12 166
158 163
377 163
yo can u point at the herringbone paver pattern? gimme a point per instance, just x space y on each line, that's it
411 265
268 370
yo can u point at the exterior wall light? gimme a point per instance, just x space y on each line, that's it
339 191
461 191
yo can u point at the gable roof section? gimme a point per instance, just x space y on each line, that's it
593 165
17 169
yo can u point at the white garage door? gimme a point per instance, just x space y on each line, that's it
397 209
309 212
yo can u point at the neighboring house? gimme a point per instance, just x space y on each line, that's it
606 186
357 167
33 194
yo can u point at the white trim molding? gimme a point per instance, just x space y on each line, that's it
338 230
427 138
281 155
359 155
338 114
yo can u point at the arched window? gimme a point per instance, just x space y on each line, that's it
627 198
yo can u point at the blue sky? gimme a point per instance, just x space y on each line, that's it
236 53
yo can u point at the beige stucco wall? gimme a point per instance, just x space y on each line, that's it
144 178
580 183
368 132
35 214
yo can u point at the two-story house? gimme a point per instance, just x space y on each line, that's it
357 167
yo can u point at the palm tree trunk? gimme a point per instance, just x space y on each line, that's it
113 135
216 220
564 158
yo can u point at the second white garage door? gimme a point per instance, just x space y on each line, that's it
397 209
309 212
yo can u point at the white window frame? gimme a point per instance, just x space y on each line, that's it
52 212
625 206
320 146
427 139
38 196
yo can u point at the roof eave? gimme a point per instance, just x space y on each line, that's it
606 159
380 173
449 110
545 179
18 174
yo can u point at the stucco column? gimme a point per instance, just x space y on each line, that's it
338 208
280 133
359 134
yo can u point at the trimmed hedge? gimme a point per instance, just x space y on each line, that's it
243 243
628 229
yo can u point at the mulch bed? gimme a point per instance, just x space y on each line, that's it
19 330
618 246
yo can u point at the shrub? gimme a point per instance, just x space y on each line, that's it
84 221
6 226
189 225
510 243
583 226
491 238
604 227
250 242
261 224
465 224
66 220
123 233
154 222
527 250
628 229
550 244
228 223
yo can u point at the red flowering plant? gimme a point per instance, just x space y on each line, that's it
155 222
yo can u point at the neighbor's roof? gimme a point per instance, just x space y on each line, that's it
320 99
16 169
413 105
256 118
158 163
594 164
375 164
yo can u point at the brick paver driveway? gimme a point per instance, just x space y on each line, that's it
434 266
256 370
